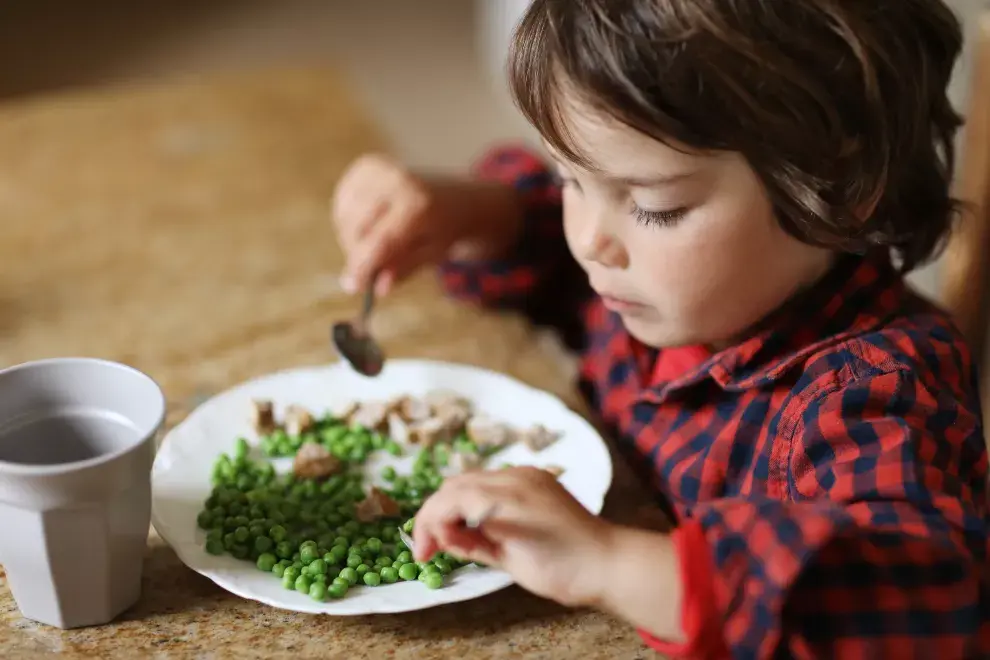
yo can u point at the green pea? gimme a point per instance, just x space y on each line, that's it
407 526
309 553
374 545
405 557
229 541
372 579
408 572
278 569
240 551
303 583
362 569
443 565
393 448
398 563
350 575
204 520
353 561
433 580
241 534
241 449
284 550
256 530
266 561
332 572
215 547
389 575
288 581
342 540
318 591
383 560
339 554
263 544
318 566
337 589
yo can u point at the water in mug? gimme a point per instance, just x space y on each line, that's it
65 436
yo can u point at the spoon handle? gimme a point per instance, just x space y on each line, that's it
369 299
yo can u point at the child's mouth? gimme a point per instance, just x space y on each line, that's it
621 305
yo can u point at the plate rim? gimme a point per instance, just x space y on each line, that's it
217 577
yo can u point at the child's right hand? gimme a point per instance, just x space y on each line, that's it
390 222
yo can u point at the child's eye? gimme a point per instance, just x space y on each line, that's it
658 218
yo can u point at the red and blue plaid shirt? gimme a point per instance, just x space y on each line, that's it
832 467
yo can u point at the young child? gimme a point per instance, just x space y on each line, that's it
742 186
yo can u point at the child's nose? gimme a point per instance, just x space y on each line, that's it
604 249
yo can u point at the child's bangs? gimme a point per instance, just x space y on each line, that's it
551 78
538 87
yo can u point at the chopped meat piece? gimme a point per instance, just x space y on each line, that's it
410 409
555 470
487 433
348 411
539 437
263 417
372 416
314 461
465 462
429 432
298 420
444 400
398 430
376 505
453 418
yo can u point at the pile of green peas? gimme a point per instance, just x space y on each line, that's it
305 531
348 443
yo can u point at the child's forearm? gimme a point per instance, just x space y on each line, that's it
642 584
496 212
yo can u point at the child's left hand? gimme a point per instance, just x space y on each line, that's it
537 531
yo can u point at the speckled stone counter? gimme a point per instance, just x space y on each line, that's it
183 229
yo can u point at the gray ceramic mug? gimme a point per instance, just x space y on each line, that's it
77 440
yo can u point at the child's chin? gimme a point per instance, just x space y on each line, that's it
654 333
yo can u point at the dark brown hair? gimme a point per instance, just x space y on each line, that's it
839 106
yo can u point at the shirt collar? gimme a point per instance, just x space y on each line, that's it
857 294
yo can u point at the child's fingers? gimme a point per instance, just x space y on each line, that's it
377 251
447 508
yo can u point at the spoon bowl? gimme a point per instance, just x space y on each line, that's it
353 341
357 347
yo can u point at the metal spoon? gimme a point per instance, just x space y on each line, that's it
353 341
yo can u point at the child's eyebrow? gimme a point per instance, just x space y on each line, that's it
649 181
630 181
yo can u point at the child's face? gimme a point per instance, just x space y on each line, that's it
685 247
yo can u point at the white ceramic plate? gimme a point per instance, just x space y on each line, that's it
181 474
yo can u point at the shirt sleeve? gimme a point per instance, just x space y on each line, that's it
699 613
538 277
880 548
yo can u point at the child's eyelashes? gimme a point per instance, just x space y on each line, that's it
658 218
651 218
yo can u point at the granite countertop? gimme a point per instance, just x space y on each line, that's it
183 229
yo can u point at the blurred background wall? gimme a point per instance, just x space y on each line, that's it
429 70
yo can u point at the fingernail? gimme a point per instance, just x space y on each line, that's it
347 284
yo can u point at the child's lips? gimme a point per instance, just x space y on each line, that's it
620 305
